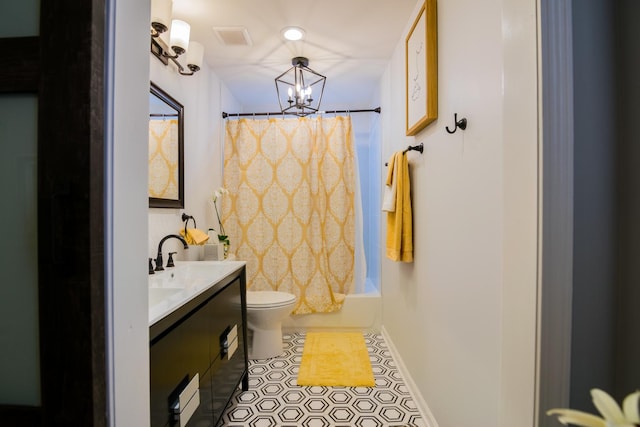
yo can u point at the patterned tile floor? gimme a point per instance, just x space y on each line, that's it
274 399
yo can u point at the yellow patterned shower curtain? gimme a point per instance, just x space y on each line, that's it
163 158
290 213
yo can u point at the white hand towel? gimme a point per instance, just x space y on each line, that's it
389 198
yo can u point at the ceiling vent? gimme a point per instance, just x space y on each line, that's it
233 36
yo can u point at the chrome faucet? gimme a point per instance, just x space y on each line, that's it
159 261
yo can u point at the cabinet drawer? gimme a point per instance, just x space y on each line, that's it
175 358
226 313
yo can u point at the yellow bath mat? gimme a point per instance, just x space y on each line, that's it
335 359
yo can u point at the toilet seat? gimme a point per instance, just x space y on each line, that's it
263 299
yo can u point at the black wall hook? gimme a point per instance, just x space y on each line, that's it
462 124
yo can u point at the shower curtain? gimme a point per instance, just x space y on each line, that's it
163 158
291 210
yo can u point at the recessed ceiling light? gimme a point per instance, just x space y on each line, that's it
293 33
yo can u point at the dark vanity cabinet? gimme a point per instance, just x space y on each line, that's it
198 356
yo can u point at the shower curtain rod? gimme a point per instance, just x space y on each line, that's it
280 113
162 115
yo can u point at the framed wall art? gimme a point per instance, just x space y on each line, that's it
421 65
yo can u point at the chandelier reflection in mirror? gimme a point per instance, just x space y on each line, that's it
179 42
300 88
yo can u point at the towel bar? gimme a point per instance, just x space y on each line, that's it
419 148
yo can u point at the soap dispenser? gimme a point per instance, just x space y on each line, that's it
213 237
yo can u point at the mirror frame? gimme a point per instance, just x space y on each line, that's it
156 202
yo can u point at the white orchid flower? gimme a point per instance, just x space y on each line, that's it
219 193
612 414
578 418
631 408
222 236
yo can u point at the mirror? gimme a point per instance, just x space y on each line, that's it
166 150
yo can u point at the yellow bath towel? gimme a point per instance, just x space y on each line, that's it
400 222
194 236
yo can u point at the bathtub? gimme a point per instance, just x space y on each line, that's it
359 312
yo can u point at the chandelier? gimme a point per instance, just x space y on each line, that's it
300 88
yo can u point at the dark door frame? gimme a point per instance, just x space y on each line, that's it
64 66
556 217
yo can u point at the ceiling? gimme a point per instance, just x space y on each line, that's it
348 41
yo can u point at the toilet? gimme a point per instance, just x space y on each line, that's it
265 312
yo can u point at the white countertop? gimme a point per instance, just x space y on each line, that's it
175 286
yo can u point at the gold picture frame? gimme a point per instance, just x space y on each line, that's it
421 65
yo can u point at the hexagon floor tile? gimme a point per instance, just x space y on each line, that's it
274 399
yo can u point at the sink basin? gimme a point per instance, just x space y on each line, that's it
171 288
187 274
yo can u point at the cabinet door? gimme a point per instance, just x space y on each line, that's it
228 338
175 358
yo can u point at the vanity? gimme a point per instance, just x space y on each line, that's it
197 341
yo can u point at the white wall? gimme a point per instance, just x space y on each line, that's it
462 316
126 239
202 96
136 229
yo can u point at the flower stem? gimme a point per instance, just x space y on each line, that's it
215 205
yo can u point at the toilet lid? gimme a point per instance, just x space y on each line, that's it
269 298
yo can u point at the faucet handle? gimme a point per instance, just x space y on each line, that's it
151 266
170 260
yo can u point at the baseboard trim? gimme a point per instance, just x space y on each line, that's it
421 404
